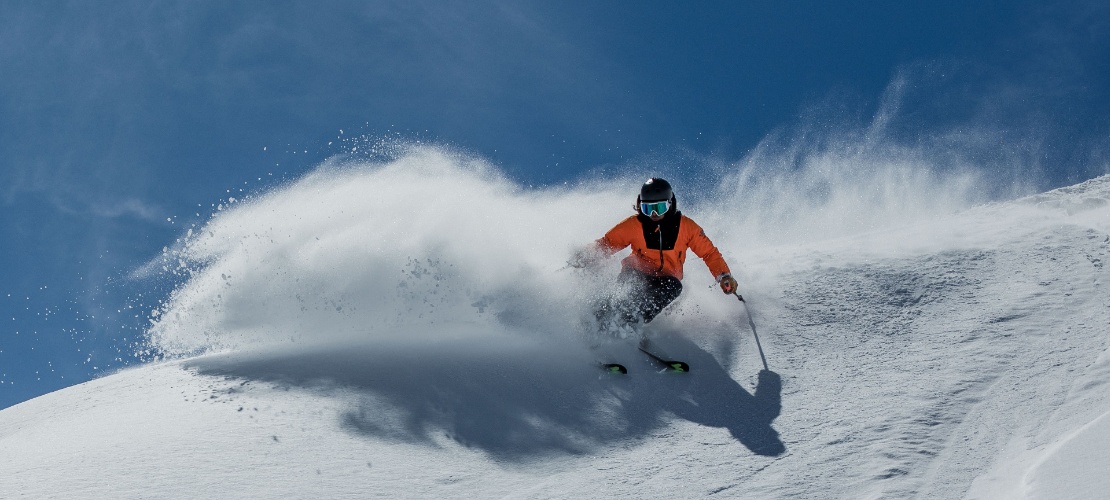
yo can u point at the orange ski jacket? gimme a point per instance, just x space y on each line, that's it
660 248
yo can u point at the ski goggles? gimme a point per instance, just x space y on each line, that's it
655 207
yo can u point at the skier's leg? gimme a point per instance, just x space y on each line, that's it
629 305
620 308
659 291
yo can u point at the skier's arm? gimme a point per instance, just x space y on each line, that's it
704 248
620 237
614 241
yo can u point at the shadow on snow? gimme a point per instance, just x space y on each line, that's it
514 397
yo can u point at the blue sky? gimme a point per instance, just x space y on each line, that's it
121 121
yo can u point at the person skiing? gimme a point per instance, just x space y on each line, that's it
659 236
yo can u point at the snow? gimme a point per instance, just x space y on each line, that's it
324 346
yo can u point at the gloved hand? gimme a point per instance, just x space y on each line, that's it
585 257
727 282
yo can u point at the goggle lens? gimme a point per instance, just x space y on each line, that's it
657 208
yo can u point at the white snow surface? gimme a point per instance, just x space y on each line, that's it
403 330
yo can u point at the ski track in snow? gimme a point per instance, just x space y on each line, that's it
945 359
902 366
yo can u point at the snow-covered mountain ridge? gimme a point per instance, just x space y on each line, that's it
960 356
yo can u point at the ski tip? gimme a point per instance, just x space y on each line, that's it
678 366
615 368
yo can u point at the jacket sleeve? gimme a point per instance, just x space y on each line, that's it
704 248
620 237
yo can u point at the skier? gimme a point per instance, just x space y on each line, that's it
651 276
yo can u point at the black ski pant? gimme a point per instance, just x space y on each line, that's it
646 295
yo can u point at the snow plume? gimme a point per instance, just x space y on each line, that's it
359 249
831 177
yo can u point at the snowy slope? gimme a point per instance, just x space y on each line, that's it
939 360
949 356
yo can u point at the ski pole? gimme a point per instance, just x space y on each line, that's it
751 323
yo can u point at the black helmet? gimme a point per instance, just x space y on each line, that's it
656 189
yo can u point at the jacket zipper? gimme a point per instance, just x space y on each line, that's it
659 229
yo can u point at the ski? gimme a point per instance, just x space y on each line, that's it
613 368
668 364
